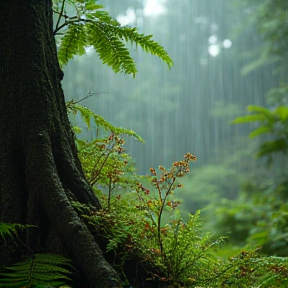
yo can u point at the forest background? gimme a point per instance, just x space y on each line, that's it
239 183
227 55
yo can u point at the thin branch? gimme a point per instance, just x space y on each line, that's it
60 16
87 96
77 19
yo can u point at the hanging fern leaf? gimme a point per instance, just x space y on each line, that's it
91 26
132 35
110 48
73 43
42 269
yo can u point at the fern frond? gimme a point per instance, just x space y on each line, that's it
110 48
87 115
148 45
42 269
92 26
73 43
10 230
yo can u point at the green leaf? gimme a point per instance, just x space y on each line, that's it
87 115
11 229
72 43
259 238
48 269
250 118
282 112
93 27
254 108
93 6
110 48
260 130
278 145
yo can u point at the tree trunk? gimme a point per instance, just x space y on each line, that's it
39 169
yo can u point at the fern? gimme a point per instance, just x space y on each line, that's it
131 34
87 115
110 48
10 229
73 43
91 26
42 269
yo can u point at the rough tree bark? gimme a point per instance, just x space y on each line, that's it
39 169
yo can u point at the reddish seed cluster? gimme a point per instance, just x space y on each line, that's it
190 156
173 204
152 170
142 188
179 169
116 141
120 150
111 136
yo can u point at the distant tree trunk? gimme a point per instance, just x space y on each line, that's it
39 169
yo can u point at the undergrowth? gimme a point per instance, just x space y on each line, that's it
140 216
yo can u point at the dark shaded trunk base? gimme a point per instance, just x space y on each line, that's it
40 172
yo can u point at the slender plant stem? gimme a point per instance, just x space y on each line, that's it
102 165
163 201
60 16
109 192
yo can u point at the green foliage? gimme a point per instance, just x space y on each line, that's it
10 230
178 249
271 122
270 18
248 269
88 115
181 252
258 216
42 270
141 217
261 219
278 96
105 163
85 24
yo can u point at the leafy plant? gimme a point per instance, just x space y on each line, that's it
10 230
85 24
154 204
271 122
105 163
270 18
42 270
142 218
258 215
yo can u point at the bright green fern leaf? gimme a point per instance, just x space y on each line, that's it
91 26
42 269
73 43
